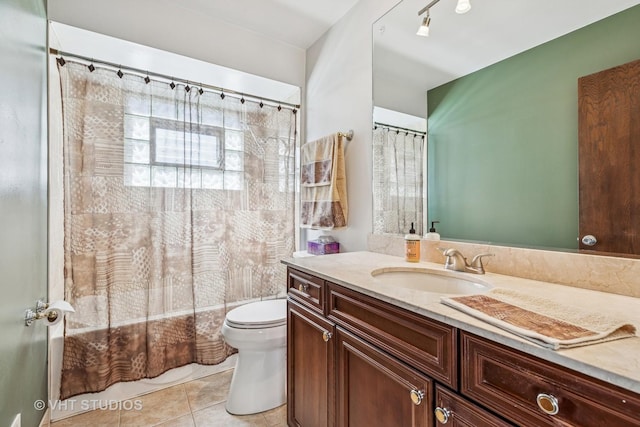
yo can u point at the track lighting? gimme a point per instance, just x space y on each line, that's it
463 6
423 29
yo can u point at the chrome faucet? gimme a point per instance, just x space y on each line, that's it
457 262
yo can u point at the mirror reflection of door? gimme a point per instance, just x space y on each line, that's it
609 159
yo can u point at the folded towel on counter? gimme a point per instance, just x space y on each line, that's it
545 322
323 184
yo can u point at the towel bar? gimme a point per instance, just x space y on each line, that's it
348 135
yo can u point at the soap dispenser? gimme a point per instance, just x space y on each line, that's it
412 246
432 234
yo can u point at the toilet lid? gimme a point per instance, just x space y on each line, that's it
255 315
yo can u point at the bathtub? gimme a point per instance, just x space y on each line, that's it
117 392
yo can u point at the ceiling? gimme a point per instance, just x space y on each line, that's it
491 31
296 22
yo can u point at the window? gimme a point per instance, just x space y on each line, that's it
164 152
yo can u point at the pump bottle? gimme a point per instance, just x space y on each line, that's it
412 246
432 234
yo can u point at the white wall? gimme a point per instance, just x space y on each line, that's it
339 98
169 26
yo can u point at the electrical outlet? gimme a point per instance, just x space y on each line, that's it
17 422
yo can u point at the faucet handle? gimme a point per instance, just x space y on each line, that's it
449 251
477 260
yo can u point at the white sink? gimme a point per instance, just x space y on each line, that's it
429 280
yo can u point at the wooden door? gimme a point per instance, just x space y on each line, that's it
310 368
376 390
609 159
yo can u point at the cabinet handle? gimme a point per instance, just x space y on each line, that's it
442 415
416 396
303 287
326 336
548 403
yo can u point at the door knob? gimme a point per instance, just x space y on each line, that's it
589 240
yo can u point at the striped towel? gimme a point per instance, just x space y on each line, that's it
323 184
545 322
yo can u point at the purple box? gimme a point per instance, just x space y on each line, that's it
319 248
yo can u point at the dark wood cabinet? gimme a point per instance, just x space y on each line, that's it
310 368
376 390
354 360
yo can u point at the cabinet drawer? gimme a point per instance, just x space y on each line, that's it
427 345
511 383
456 411
307 289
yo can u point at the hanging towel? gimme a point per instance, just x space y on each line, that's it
545 322
323 184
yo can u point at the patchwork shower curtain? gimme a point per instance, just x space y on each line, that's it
398 189
179 203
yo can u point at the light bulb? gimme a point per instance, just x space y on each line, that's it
463 6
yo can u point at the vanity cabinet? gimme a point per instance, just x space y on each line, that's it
354 360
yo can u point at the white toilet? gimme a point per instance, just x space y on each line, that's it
259 331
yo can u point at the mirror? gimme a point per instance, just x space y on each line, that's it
499 88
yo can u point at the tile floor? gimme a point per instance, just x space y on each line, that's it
199 403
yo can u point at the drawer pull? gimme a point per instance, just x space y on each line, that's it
416 396
442 415
326 336
303 287
548 403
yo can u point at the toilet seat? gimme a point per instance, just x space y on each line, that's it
258 315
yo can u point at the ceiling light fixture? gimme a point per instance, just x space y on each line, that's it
423 29
463 6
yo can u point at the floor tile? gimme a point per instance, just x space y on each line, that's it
95 418
276 417
209 390
217 416
199 403
184 421
157 407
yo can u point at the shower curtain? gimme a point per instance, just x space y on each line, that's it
398 194
179 204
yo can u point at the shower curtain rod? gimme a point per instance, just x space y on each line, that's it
224 91
384 125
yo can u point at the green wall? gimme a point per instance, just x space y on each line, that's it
502 155
23 207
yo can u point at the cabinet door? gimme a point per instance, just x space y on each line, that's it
310 368
376 390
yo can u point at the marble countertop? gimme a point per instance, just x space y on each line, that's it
615 362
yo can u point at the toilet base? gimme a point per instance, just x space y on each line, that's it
258 382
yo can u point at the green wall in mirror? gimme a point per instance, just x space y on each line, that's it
502 151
